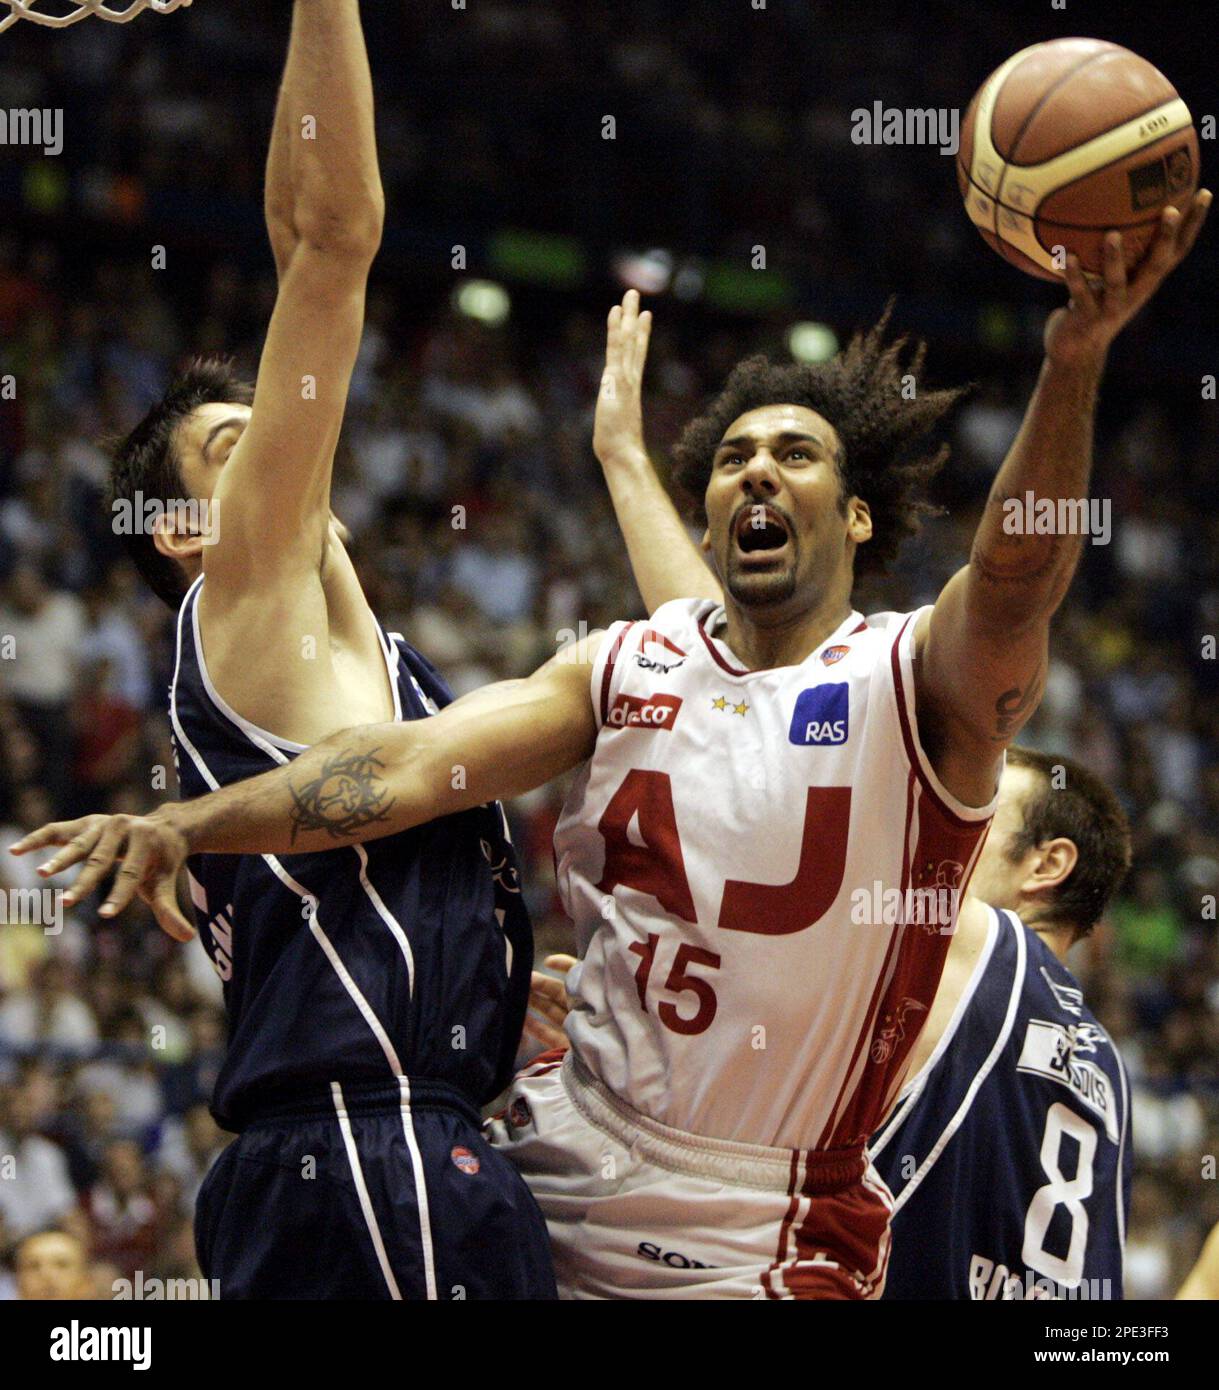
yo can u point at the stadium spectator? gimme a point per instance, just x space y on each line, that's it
35 1190
122 1216
52 1266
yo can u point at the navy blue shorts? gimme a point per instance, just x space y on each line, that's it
376 1199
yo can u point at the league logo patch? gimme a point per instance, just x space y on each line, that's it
465 1160
833 654
640 712
822 716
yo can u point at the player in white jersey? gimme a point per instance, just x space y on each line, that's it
741 1026
965 1204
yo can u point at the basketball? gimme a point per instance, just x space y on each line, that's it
1068 140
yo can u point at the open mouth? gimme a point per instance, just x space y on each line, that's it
760 531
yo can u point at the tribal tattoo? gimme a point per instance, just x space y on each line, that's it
346 795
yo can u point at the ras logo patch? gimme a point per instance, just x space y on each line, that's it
822 715
638 712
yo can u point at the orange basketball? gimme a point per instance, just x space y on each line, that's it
1067 140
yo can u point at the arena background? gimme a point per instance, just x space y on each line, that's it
733 132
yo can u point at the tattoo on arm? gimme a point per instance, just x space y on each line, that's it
1014 706
346 795
1002 559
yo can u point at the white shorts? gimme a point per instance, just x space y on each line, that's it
638 1210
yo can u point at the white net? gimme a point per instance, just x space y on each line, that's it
58 14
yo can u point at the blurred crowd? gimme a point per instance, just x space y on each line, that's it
480 524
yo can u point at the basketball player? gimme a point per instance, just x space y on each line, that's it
1009 1151
374 996
736 1037
1054 855
1012 1080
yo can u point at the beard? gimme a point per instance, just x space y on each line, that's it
759 588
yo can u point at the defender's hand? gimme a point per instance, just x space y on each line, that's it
1083 331
618 426
152 850
548 998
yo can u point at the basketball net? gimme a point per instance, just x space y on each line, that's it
116 11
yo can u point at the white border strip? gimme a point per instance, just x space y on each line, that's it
914 1084
421 1197
906 654
983 1072
357 1173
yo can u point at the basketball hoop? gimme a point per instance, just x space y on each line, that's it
69 11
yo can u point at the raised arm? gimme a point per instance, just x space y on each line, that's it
983 653
360 784
666 563
325 211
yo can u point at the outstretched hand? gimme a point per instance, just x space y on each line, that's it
618 426
1087 326
151 851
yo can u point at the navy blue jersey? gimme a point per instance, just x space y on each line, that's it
1009 1154
408 956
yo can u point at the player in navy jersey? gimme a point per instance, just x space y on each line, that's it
375 996
1008 1152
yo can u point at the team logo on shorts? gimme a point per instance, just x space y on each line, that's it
822 715
644 712
465 1160
833 654
519 1113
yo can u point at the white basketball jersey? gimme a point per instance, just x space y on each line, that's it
732 855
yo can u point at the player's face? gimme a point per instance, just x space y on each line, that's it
51 1267
205 442
999 879
777 521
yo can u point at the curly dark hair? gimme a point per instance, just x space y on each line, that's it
145 466
864 392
